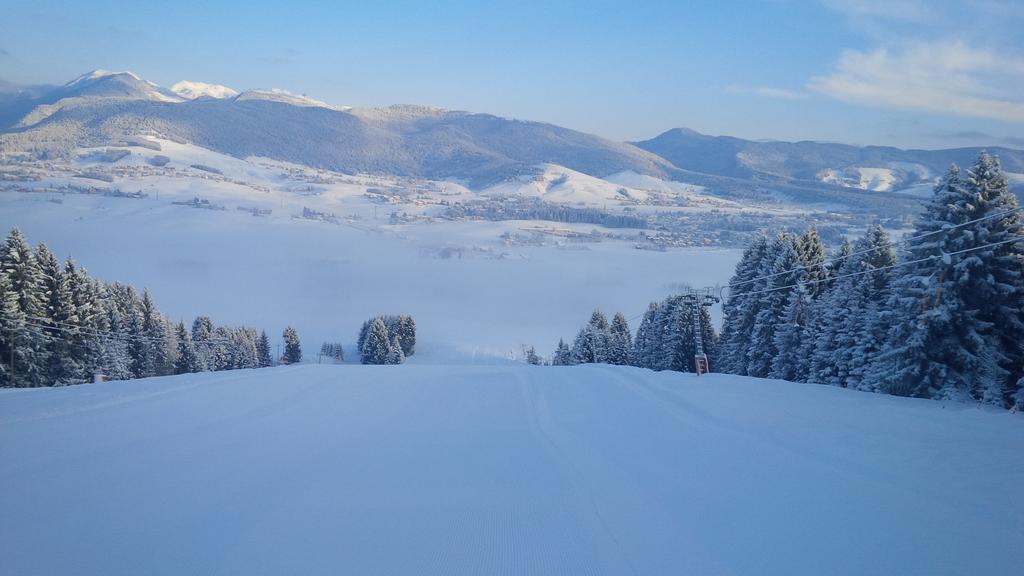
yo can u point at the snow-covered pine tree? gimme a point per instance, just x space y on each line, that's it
563 355
263 350
404 328
620 342
1001 297
646 338
11 323
115 357
187 361
364 332
87 295
677 348
532 357
869 317
784 274
790 362
739 310
377 344
292 347
838 260
940 346
202 331
155 358
395 354
61 320
811 253
592 341
18 263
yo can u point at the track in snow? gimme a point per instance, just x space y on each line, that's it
501 470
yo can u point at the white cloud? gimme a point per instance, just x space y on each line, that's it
767 91
906 10
784 93
950 78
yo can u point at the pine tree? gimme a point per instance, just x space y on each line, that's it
263 350
18 264
202 331
11 323
620 343
187 361
404 328
532 357
1000 297
811 253
61 364
646 338
377 344
940 345
838 260
783 274
790 362
395 354
292 348
871 291
154 333
87 295
563 355
740 308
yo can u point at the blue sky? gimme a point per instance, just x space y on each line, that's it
909 73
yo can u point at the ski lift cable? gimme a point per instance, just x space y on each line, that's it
65 327
943 256
891 243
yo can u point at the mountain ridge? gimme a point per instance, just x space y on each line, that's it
104 108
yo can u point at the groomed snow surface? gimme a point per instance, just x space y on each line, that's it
502 469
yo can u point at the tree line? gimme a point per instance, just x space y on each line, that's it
60 326
665 339
941 318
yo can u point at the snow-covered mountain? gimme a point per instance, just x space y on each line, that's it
868 168
192 90
480 150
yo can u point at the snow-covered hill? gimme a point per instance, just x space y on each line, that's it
869 168
328 272
480 149
505 469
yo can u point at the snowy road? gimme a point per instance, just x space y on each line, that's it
501 470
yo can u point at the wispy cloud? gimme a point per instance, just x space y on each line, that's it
784 93
949 78
768 92
904 10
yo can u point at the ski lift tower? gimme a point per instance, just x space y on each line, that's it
699 298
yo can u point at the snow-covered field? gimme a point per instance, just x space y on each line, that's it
504 469
473 294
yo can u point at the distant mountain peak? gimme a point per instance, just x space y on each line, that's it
191 90
98 74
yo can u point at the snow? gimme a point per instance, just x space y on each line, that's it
504 469
100 73
192 90
564 186
282 95
459 280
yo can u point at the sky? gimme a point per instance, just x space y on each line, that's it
908 73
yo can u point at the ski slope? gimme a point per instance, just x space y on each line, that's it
503 469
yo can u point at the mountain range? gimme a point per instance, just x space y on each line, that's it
106 108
